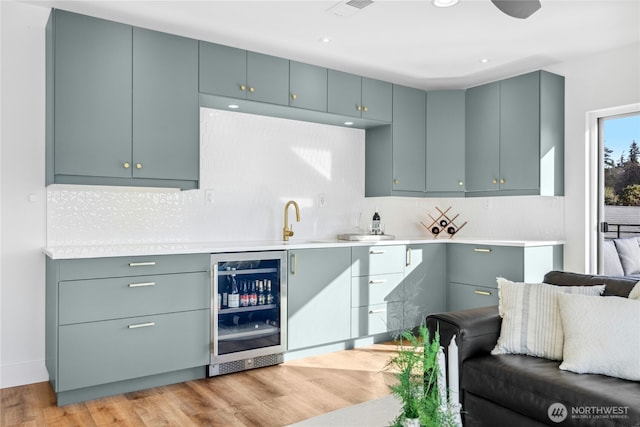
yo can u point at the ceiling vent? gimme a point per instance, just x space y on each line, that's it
349 8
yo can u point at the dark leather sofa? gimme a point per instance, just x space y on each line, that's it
517 390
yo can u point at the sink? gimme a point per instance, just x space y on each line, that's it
365 237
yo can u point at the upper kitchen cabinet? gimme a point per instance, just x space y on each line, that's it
356 96
409 139
121 105
165 106
89 111
237 73
307 86
446 142
515 136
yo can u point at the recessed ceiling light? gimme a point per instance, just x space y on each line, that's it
348 123
445 3
325 39
484 60
233 106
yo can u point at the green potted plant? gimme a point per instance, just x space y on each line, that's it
415 367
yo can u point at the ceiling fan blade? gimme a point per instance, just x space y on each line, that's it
521 9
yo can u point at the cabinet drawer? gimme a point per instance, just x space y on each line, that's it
104 352
481 264
94 268
380 289
462 297
376 319
115 298
370 260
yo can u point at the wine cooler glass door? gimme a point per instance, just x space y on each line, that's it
249 305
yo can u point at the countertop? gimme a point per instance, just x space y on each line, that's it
102 251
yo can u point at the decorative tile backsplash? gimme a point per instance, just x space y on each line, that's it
250 166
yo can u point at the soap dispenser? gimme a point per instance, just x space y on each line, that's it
375 223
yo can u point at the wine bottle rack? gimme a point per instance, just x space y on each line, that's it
443 224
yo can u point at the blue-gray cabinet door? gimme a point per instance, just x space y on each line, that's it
223 70
344 93
267 78
424 282
520 132
92 121
307 86
377 100
446 141
319 296
165 106
409 139
483 138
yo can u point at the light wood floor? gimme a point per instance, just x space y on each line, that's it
272 396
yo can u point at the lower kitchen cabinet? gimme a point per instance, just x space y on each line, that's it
319 296
473 270
377 290
120 324
424 282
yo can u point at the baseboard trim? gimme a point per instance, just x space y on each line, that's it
17 374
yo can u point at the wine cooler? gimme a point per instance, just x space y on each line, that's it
248 310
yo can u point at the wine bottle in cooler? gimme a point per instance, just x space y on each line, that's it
234 296
244 294
225 288
253 294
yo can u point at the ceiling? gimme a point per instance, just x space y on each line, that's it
407 42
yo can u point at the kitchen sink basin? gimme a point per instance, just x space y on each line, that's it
365 237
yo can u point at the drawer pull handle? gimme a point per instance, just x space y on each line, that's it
140 285
372 252
485 293
142 325
484 250
142 264
382 310
377 281
408 263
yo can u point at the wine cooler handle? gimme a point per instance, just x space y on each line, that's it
294 264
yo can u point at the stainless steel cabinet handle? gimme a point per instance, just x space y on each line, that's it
377 311
374 282
484 250
294 264
485 293
408 256
142 264
373 252
142 325
140 285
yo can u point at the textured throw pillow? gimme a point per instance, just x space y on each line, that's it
602 336
629 252
530 318
635 292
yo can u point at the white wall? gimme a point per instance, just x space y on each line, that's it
23 194
590 85
601 81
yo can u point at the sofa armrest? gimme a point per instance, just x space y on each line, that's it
476 330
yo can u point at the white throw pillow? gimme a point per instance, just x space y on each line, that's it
602 335
635 292
530 317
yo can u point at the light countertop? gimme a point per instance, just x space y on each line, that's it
102 251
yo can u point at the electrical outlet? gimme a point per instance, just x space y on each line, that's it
322 200
209 197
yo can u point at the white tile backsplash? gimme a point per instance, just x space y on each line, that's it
250 166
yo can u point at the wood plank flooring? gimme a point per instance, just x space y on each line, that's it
272 396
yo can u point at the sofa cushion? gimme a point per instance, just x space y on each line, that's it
530 317
635 292
530 385
611 259
615 286
596 343
629 253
